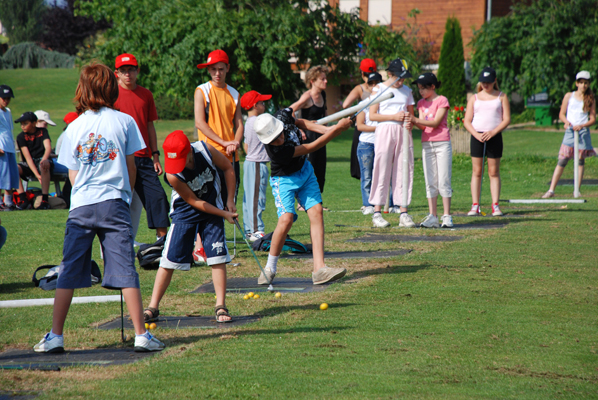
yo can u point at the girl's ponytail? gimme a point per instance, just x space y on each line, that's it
438 85
588 100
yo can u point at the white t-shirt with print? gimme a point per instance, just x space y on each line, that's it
96 144
403 97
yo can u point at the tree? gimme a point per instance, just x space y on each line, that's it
450 64
65 32
170 38
22 19
540 45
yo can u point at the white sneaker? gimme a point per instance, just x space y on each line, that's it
367 210
327 274
265 280
430 222
143 344
55 345
475 210
394 210
407 222
379 222
255 236
447 221
496 211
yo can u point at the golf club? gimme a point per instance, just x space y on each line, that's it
270 287
482 181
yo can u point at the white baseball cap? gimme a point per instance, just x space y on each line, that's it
583 75
267 128
44 116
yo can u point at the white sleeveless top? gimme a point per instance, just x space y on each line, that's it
575 113
487 114
368 137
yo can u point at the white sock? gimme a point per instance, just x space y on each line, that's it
146 335
8 200
272 261
52 335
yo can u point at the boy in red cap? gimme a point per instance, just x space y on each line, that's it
218 117
192 170
255 168
138 102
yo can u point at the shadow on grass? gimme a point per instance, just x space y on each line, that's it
15 287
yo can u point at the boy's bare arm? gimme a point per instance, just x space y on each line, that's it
229 177
132 170
331 133
311 126
27 156
44 163
153 146
72 176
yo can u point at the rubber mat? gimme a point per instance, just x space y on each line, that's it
184 322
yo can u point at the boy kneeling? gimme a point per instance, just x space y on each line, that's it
196 207
293 178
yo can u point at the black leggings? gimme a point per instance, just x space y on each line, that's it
317 160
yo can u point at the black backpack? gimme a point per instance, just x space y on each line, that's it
263 244
48 281
149 255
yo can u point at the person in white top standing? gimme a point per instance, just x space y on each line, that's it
488 113
578 112
392 115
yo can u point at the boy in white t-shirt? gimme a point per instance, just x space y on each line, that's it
98 149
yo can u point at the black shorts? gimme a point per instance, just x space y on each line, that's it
151 193
28 173
493 147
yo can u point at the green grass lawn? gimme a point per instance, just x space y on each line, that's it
506 313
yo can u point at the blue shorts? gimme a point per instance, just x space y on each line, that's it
180 242
302 185
110 220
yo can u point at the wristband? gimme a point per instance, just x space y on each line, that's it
156 152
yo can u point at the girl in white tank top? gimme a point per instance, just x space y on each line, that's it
488 113
578 113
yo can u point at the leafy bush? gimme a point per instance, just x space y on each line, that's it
30 55
450 64
455 116
22 19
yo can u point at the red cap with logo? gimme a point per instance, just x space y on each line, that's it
214 57
70 117
176 147
251 98
368 65
125 59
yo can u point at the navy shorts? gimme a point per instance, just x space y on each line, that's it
151 193
110 220
493 147
180 242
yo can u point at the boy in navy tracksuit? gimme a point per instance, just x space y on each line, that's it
197 206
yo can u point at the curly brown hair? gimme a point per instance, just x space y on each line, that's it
314 72
97 88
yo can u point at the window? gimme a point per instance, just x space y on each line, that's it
380 11
348 5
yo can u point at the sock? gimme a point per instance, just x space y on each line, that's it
52 335
271 264
45 197
146 335
377 212
8 200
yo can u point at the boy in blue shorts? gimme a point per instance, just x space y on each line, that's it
98 149
197 207
293 177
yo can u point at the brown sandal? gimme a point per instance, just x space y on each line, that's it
223 312
155 313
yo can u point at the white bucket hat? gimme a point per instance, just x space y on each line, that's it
267 128
583 75
44 116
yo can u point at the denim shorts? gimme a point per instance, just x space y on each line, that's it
302 185
110 220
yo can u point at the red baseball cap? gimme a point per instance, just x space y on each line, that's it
70 117
125 59
176 147
251 98
368 65
214 57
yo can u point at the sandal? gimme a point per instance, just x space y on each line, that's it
154 314
223 312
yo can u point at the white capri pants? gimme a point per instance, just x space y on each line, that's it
438 161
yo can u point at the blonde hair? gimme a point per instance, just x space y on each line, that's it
314 72
479 88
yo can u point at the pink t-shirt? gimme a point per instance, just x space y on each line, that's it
427 110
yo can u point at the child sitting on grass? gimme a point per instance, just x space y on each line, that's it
197 207
293 178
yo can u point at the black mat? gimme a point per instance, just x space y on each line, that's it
371 237
353 254
246 285
28 359
18 395
569 182
482 225
183 322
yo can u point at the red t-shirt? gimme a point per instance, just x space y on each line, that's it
139 104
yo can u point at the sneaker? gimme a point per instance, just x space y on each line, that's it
496 211
430 222
475 210
4 207
447 221
23 205
548 194
407 222
56 345
367 210
143 344
199 256
261 280
394 210
379 222
327 274
255 236
44 205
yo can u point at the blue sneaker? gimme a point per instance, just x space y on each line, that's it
56 345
